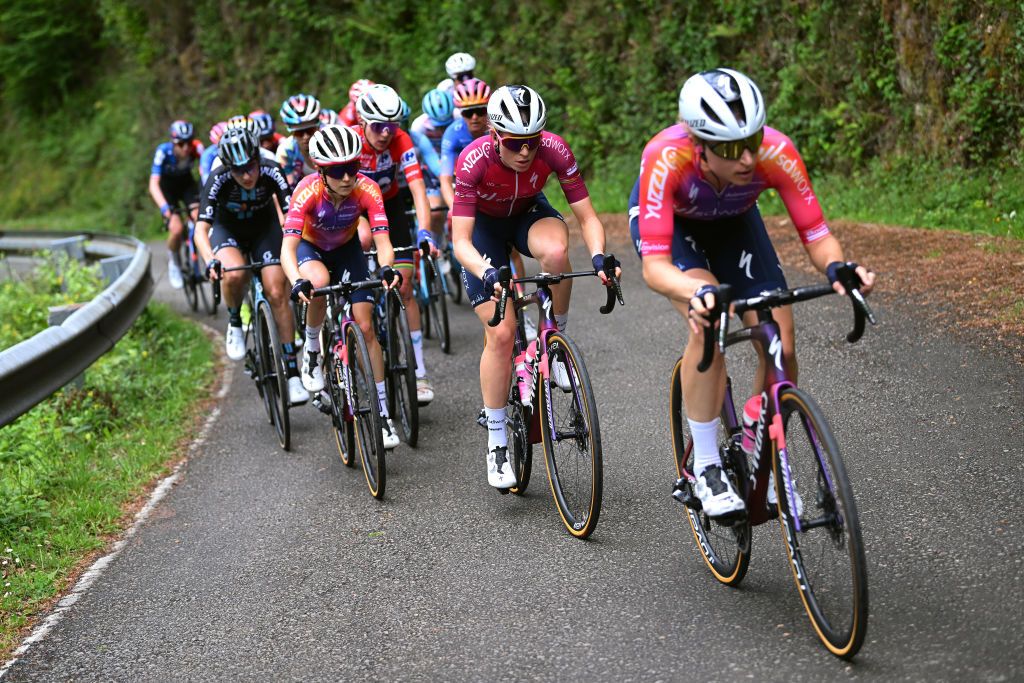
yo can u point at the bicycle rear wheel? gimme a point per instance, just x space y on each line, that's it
437 305
275 379
344 431
573 459
726 550
401 372
823 538
454 276
369 437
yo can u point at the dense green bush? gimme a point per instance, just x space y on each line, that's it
851 83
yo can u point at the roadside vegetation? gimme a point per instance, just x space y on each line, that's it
71 468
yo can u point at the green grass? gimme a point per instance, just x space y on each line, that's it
71 465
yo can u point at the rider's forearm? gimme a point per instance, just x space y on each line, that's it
385 252
590 226
824 251
665 279
202 239
462 243
156 193
447 190
418 189
290 259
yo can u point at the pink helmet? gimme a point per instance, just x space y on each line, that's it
357 89
217 130
471 93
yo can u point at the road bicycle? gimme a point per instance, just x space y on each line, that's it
264 357
395 337
794 474
197 286
351 393
561 418
432 293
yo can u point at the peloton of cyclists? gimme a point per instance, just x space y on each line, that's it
499 202
171 182
695 223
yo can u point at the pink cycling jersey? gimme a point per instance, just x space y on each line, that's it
483 183
671 183
315 218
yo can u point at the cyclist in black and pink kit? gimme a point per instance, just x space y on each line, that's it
695 223
498 202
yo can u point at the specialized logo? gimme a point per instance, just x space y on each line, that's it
533 179
775 348
520 96
745 260
659 176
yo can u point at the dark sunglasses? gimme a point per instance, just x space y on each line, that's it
733 149
514 143
470 112
183 143
246 168
380 128
339 171
305 132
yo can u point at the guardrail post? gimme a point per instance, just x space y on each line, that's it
74 247
57 315
113 267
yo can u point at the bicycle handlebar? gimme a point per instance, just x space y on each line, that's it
256 266
345 288
846 277
506 281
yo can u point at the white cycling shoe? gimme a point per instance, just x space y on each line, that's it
424 391
390 434
717 497
174 277
560 375
234 343
312 374
499 469
297 394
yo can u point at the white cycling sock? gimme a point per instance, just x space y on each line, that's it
417 349
705 444
313 338
496 437
561 320
382 398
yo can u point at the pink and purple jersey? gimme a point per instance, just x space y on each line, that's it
671 183
483 183
315 218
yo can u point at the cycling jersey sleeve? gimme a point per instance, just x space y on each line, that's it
450 148
303 202
561 160
158 159
402 149
785 170
371 201
211 191
428 155
661 170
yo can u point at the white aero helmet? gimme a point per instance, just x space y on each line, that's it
516 110
721 105
334 145
379 103
459 63
447 85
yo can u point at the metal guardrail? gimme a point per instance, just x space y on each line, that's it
35 368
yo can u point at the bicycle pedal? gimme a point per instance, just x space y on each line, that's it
683 492
322 402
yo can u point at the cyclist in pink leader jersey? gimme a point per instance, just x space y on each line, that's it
695 223
498 202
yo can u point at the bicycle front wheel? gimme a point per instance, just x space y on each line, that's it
275 379
369 436
520 450
188 274
341 419
571 438
438 306
401 373
726 550
820 526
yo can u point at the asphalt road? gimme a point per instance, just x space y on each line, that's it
272 565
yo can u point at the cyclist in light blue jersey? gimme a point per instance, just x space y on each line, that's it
210 153
427 131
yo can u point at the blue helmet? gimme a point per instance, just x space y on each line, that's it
406 113
439 106
264 122
181 130
300 111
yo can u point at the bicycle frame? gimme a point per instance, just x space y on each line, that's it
339 321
